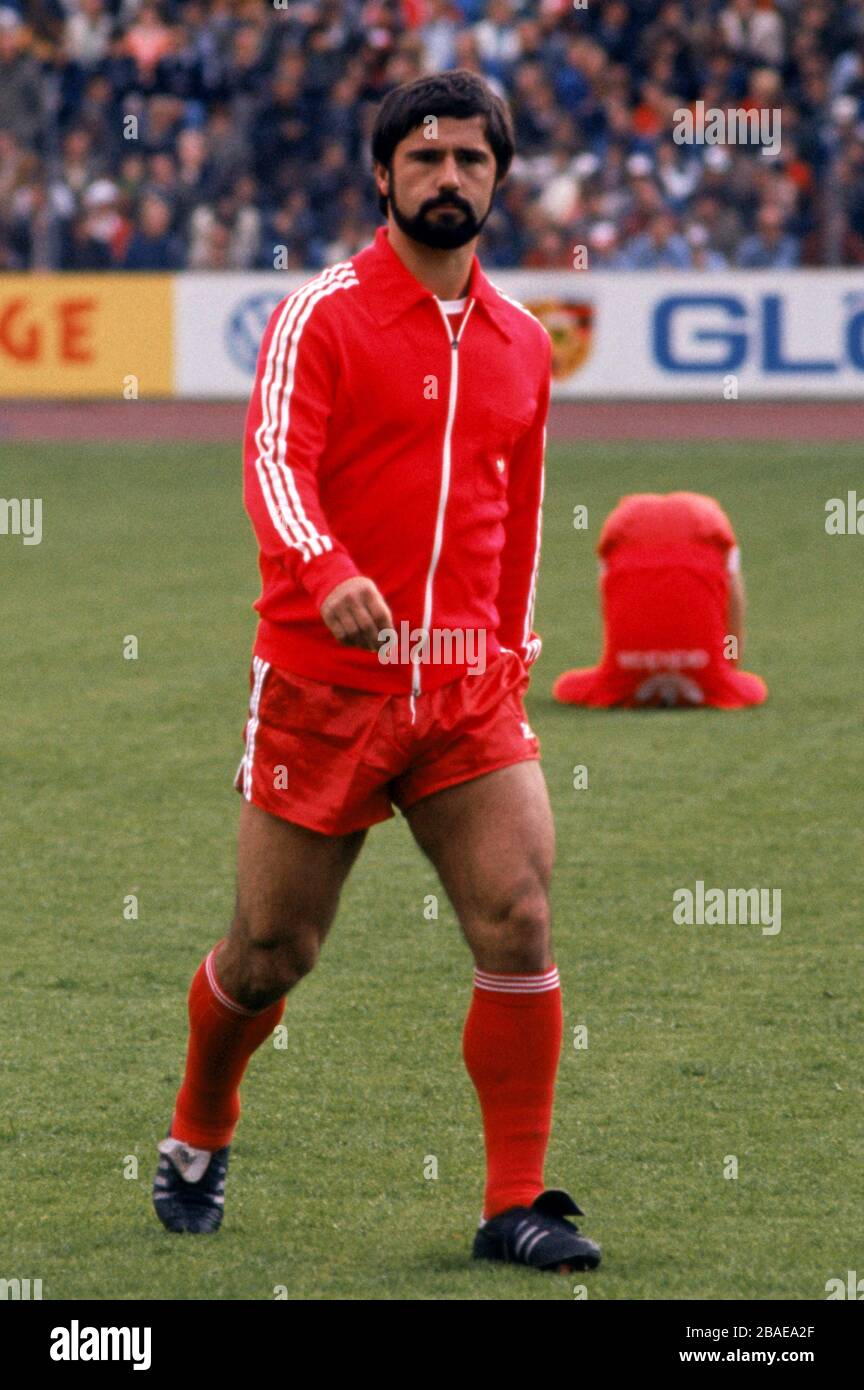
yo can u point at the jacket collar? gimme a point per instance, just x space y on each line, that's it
396 290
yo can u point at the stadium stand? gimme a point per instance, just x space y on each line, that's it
203 134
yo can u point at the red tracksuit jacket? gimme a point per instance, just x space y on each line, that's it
379 444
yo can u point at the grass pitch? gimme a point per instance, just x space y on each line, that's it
704 1043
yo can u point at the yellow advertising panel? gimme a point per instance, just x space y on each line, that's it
107 337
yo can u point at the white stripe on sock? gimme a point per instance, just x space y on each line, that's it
219 993
518 984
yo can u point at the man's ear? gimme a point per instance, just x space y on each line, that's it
381 172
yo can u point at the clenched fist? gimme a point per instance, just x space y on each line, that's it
355 613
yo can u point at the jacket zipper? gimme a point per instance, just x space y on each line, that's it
445 475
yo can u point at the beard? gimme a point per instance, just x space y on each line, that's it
444 233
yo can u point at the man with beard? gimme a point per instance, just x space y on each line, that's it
394 477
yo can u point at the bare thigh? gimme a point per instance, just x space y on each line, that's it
289 880
492 842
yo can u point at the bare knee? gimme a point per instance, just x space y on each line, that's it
262 960
514 934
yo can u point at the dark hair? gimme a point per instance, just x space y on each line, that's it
458 93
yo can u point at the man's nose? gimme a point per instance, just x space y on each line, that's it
448 173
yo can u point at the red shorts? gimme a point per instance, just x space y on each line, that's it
334 759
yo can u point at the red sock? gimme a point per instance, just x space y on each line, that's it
222 1038
511 1046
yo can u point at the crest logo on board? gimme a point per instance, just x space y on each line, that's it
570 325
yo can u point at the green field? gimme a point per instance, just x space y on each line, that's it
704 1042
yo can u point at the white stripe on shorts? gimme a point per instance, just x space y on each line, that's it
260 668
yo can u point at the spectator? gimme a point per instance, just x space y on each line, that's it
153 246
148 41
355 233
438 33
230 152
227 235
497 39
289 228
105 221
78 166
211 247
131 179
614 30
162 181
551 250
340 118
754 31
12 162
644 200
702 254
722 223
9 258
100 115
604 252
560 196
770 248
660 248
82 250
22 92
36 227
678 174
88 33
282 131
180 72
244 75
160 128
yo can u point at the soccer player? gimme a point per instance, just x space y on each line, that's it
394 477
673 609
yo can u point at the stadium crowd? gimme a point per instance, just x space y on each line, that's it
204 134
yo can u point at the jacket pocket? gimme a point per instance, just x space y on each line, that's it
498 435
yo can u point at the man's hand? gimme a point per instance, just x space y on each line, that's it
355 613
